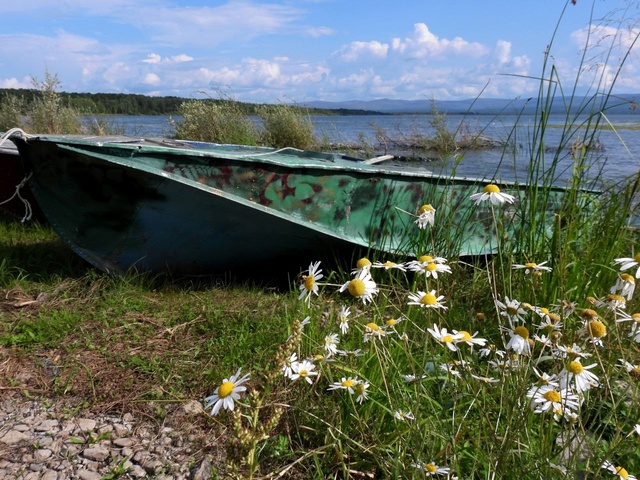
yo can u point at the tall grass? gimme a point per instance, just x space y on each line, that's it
402 388
218 121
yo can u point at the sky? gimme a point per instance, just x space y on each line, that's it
274 51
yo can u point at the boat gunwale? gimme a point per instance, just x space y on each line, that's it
162 145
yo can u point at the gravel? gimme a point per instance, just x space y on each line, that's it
44 440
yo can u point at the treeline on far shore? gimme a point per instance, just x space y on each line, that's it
137 104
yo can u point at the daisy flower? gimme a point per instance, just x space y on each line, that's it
431 469
532 267
571 352
512 309
519 341
634 370
362 265
362 287
287 366
392 322
429 268
373 330
578 376
561 469
493 194
351 353
403 416
389 265
625 284
613 302
427 300
361 392
226 394
331 344
309 284
444 337
451 368
491 349
343 319
626 263
471 340
426 216
618 471
485 379
547 399
595 330
412 378
305 370
348 384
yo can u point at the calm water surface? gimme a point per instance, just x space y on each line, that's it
617 159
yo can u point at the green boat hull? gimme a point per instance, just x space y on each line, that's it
193 208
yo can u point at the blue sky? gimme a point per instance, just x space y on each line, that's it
303 50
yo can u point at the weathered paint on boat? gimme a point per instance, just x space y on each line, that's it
192 207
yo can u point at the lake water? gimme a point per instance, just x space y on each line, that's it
617 158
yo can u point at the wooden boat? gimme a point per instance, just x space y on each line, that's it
190 208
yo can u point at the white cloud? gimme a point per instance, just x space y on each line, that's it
13 82
153 58
425 44
355 50
181 58
151 79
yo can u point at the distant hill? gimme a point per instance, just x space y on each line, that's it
625 103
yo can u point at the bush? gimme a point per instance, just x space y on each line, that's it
218 121
286 126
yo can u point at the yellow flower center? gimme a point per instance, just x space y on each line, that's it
622 472
303 372
552 396
627 278
431 266
391 322
635 372
360 388
356 287
575 367
447 339
309 282
425 209
597 329
225 389
587 314
637 257
615 298
318 357
374 327
544 311
636 317
431 468
491 189
389 264
512 310
554 317
428 299
521 332
425 258
363 262
348 383
466 336
531 265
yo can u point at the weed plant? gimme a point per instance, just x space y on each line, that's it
285 126
217 121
